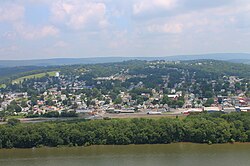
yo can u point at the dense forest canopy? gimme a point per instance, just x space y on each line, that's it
203 128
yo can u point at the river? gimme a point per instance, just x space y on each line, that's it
180 154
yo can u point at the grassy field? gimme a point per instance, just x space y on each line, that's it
40 75
2 85
16 117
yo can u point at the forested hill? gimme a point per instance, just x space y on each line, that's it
218 67
232 57
206 67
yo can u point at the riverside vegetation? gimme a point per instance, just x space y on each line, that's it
203 128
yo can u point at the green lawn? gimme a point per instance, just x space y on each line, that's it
40 75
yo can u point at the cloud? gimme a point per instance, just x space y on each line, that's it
79 14
119 39
10 48
166 28
61 44
151 6
10 35
11 12
48 31
199 4
126 28
212 19
31 33
152 9
14 14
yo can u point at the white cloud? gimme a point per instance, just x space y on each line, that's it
11 12
31 33
130 27
79 14
14 15
48 31
10 35
9 49
144 6
166 28
210 20
119 39
61 44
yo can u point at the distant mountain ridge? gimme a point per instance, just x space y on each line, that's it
232 57
245 61
216 56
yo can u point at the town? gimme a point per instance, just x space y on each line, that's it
156 88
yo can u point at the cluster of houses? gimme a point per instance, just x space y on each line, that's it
78 104
55 100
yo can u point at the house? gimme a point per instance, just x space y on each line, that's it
173 97
244 109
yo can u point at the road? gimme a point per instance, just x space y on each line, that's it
172 113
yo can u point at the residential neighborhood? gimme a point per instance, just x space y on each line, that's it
125 92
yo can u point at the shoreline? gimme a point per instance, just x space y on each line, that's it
129 145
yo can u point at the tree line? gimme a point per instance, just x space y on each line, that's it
203 128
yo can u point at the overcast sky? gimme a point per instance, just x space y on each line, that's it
31 29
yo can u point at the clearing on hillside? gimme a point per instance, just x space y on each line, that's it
40 75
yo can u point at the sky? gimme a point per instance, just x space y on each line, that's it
42 29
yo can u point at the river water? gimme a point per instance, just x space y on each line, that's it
181 154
